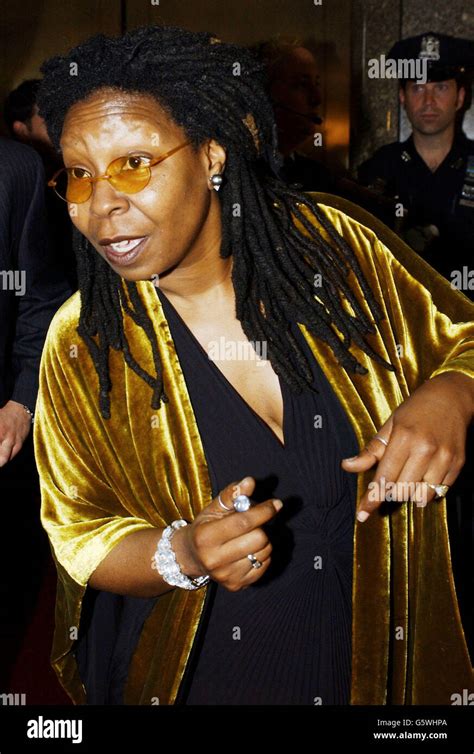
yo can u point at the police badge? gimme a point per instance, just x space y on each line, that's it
467 193
429 48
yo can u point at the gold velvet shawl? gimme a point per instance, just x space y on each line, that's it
103 479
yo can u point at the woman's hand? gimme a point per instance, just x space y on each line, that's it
426 438
218 542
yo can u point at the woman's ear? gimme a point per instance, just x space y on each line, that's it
216 158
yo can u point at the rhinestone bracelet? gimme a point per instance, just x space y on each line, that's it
30 413
164 561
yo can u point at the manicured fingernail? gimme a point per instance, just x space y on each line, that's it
277 504
353 458
362 516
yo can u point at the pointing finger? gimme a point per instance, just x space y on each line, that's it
372 453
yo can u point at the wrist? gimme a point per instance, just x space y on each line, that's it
464 387
21 409
183 553
164 561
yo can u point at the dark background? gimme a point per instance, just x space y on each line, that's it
359 114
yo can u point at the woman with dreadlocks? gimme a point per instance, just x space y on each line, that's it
165 455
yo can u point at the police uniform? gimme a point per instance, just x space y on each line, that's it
439 205
439 225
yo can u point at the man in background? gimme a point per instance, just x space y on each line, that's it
294 89
32 288
431 174
27 126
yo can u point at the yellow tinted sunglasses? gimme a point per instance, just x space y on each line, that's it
128 174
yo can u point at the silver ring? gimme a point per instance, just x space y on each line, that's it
255 563
222 504
242 503
381 439
440 489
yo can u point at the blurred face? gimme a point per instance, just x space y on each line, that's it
169 223
431 108
38 129
34 131
295 94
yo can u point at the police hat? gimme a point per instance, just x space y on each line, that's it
447 57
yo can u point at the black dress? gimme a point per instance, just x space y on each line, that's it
287 638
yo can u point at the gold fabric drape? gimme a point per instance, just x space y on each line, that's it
103 479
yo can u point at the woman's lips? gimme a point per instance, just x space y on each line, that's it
125 252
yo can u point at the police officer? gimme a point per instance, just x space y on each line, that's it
432 173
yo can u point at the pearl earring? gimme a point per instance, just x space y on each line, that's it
216 181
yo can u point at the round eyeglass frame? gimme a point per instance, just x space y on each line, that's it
111 176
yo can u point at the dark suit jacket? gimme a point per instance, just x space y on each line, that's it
32 284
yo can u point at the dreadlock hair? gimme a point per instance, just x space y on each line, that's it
215 90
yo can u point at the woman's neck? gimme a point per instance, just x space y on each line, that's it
202 282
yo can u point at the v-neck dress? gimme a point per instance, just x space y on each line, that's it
287 638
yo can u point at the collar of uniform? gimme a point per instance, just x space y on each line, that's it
461 147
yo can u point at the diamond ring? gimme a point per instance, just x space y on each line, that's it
440 489
240 504
255 563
